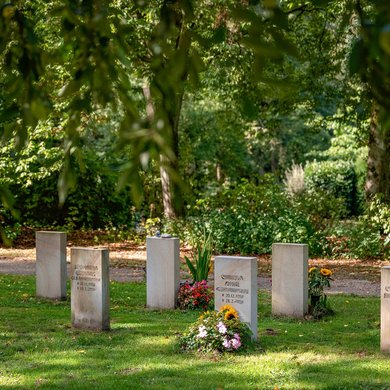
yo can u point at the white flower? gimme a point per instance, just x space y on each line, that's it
221 327
202 332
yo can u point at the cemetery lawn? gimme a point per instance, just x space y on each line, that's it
38 348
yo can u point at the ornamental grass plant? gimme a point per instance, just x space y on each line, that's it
220 331
200 267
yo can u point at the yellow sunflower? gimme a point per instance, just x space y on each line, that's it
312 269
226 308
230 314
326 272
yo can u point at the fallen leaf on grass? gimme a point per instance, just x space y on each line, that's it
271 332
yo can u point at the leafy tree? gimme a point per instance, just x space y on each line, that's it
370 58
98 49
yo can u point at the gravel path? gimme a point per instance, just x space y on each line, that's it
127 274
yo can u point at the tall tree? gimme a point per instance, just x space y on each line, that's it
371 58
98 50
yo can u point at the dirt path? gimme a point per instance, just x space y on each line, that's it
129 265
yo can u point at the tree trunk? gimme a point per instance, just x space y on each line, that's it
166 185
378 162
171 101
169 188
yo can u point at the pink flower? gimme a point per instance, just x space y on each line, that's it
221 327
236 342
227 343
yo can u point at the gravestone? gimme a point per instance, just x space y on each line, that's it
385 309
90 300
50 265
162 272
290 279
235 284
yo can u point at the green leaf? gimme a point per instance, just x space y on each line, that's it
190 267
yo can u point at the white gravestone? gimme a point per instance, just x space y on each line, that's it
50 265
290 279
162 272
90 300
235 284
385 309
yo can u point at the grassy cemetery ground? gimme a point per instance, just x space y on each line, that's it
39 348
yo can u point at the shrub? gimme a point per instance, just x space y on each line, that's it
321 208
357 239
337 178
32 176
249 218
378 216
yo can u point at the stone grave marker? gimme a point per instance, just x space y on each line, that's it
162 272
385 309
50 265
90 300
290 279
235 284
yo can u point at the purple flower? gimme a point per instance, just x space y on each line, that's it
236 343
227 343
221 327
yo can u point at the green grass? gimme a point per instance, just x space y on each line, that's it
38 348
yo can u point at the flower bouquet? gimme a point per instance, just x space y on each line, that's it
318 279
217 331
194 296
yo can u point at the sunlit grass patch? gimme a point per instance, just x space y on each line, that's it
38 347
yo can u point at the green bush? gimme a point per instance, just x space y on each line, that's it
32 175
378 215
321 208
249 218
365 237
356 239
336 178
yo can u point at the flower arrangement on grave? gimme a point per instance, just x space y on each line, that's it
195 296
319 278
217 331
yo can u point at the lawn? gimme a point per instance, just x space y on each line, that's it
38 348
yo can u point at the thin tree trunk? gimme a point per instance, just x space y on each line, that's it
166 185
378 162
166 182
172 200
